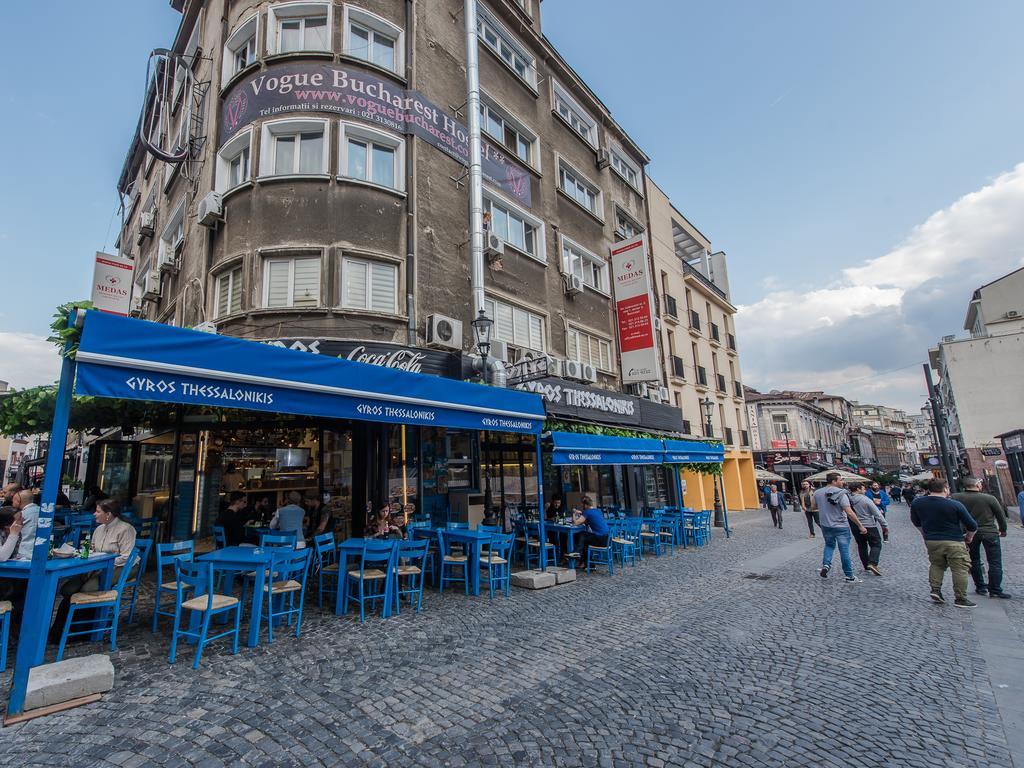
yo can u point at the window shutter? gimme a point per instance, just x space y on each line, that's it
222 295
572 347
306 292
277 283
382 297
536 333
522 327
354 291
236 290
503 323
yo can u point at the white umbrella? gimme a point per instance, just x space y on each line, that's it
846 477
920 477
764 474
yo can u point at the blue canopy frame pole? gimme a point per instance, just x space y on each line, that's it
541 531
725 508
36 618
679 484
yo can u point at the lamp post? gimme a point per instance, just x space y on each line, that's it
789 461
707 405
482 327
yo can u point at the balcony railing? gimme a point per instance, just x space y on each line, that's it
677 367
687 269
728 435
721 382
702 375
694 320
715 334
671 308
738 388
731 341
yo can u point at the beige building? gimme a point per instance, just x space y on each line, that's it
700 360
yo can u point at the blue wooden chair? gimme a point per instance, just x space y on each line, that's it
412 566
104 598
5 631
167 555
703 527
78 524
288 570
622 544
220 538
650 539
143 547
369 582
450 563
601 556
496 562
325 561
191 576
147 528
283 539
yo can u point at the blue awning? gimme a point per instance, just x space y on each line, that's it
579 449
692 451
140 360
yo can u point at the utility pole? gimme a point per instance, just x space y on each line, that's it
940 430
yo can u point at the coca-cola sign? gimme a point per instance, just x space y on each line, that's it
412 359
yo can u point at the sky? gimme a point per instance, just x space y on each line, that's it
861 163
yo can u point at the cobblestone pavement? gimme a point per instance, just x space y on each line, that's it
684 660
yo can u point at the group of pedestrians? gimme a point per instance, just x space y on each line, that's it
845 515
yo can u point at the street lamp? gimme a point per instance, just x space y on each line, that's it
707 405
482 327
789 461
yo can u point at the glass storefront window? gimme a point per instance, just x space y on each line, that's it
403 470
337 478
115 470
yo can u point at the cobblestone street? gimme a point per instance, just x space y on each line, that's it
685 660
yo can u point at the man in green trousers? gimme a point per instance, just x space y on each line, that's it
942 521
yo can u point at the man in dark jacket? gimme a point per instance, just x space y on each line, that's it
991 518
942 522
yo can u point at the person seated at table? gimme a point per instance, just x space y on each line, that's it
554 511
597 531
321 519
233 518
113 536
93 496
288 519
10 532
381 526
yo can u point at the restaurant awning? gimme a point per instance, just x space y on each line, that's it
139 360
572 448
692 451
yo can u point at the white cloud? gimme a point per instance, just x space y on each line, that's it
881 315
27 360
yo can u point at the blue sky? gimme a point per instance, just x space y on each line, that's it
806 138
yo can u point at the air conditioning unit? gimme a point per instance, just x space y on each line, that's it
151 285
499 350
657 323
589 373
555 366
494 246
948 339
136 306
205 327
664 394
444 332
147 222
211 209
638 389
577 371
168 259
1013 313
604 158
573 285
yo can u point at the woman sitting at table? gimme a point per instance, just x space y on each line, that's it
10 532
597 531
381 527
113 536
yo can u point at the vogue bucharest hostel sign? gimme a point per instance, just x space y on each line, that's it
302 88
633 310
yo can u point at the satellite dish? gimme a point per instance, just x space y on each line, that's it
164 132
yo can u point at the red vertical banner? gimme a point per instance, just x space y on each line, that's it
638 352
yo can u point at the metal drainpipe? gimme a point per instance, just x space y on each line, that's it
410 188
476 202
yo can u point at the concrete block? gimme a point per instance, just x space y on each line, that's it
69 679
562 575
533 579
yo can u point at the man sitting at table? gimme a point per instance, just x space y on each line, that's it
288 519
597 531
233 518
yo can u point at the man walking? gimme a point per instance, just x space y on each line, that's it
807 505
941 522
871 517
775 501
990 516
836 516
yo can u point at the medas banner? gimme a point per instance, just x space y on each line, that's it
634 310
300 88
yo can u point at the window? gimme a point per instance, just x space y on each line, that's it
515 325
229 293
588 349
294 147
590 268
373 39
300 27
372 156
291 282
506 47
625 226
240 49
515 227
780 420
573 114
626 168
233 162
369 285
508 132
173 236
583 192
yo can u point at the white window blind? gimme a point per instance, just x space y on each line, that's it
229 293
292 282
515 325
369 285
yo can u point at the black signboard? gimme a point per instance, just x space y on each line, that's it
414 359
302 88
577 402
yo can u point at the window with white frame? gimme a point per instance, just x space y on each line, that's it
233 162
371 285
173 235
294 147
291 282
228 292
572 113
589 349
587 266
626 168
508 131
372 156
625 226
780 426
506 47
515 227
373 39
515 325
578 188
300 27
240 48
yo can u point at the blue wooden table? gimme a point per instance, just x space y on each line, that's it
58 568
567 530
472 538
354 548
244 560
